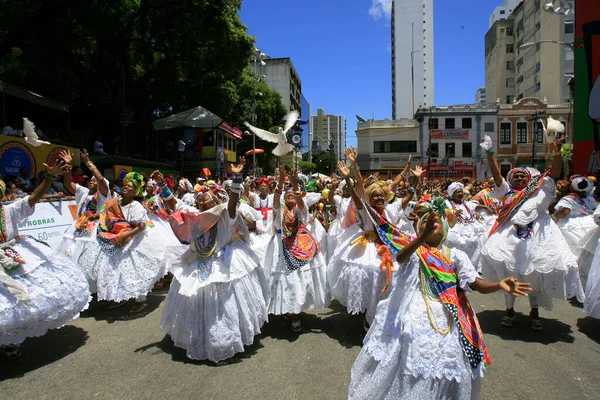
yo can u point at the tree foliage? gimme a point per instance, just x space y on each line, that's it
161 56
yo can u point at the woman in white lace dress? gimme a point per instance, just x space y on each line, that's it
263 203
294 264
89 202
573 215
425 342
592 288
525 241
217 302
128 256
40 289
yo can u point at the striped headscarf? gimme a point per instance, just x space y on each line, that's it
137 180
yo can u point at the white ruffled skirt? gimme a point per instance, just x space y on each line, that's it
57 290
131 271
592 289
356 278
214 318
469 238
298 290
74 242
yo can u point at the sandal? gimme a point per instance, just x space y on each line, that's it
296 326
159 285
117 305
536 325
138 307
508 321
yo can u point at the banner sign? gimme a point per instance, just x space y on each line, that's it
231 129
50 221
13 157
448 134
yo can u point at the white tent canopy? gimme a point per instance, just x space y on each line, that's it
197 117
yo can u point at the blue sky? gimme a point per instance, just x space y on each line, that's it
342 50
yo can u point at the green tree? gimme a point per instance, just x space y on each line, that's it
307 167
322 160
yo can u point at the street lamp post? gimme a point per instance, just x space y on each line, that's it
258 57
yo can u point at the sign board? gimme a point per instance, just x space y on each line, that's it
231 129
450 134
50 221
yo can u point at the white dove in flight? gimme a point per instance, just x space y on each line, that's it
30 136
283 147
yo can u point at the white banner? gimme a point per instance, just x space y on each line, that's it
49 221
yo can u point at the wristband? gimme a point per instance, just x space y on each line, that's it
489 153
166 194
412 190
236 187
50 177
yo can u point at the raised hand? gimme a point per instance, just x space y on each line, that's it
335 181
558 143
343 169
66 156
158 177
281 176
514 287
294 178
85 156
418 171
351 155
238 168
409 159
57 169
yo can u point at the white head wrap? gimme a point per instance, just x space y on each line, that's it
228 182
186 185
454 186
582 184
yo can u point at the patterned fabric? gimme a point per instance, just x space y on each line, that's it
299 245
155 205
514 198
442 280
485 197
112 224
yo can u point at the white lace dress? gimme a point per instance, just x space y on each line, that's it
592 286
577 229
133 269
355 276
216 305
260 238
469 234
56 289
336 229
294 290
399 216
403 356
544 259
74 241
157 214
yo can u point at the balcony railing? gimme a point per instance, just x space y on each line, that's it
527 148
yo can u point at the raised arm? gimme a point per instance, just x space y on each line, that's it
407 251
165 192
335 182
279 189
236 187
402 176
297 193
486 145
352 156
412 191
51 174
346 174
102 186
67 158
557 159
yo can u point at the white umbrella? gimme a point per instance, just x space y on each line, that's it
319 176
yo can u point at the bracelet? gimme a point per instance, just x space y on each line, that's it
50 177
166 194
489 153
412 190
278 191
236 187
297 193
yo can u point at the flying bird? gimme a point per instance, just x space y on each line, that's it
30 136
283 147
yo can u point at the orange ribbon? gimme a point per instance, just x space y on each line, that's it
387 263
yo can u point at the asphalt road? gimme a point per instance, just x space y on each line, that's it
115 355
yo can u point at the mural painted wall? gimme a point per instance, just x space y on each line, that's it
586 137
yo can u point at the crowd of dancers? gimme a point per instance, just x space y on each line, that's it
402 254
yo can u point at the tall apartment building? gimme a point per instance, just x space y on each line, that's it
412 57
281 76
540 68
503 11
329 129
481 96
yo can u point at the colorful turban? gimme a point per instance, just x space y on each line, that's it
513 171
170 183
216 193
264 181
381 186
454 186
137 180
437 205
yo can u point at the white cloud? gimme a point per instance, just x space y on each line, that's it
380 8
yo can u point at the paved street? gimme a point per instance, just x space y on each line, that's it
114 355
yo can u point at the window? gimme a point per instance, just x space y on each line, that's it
489 127
509 99
395 146
521 132
502 12
449 123
568 54
568 27
537 5
510 82
520 61
538 65
467 123
510 65
538 46
538 86
433 123
509 31
450 150
520 79
435 150
467 149
539 132
510 48
505 134
567 78
537 27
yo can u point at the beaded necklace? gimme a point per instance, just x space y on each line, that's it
470 217
3 233
205 249
426 291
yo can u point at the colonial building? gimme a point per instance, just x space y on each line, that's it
449 138
520 127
